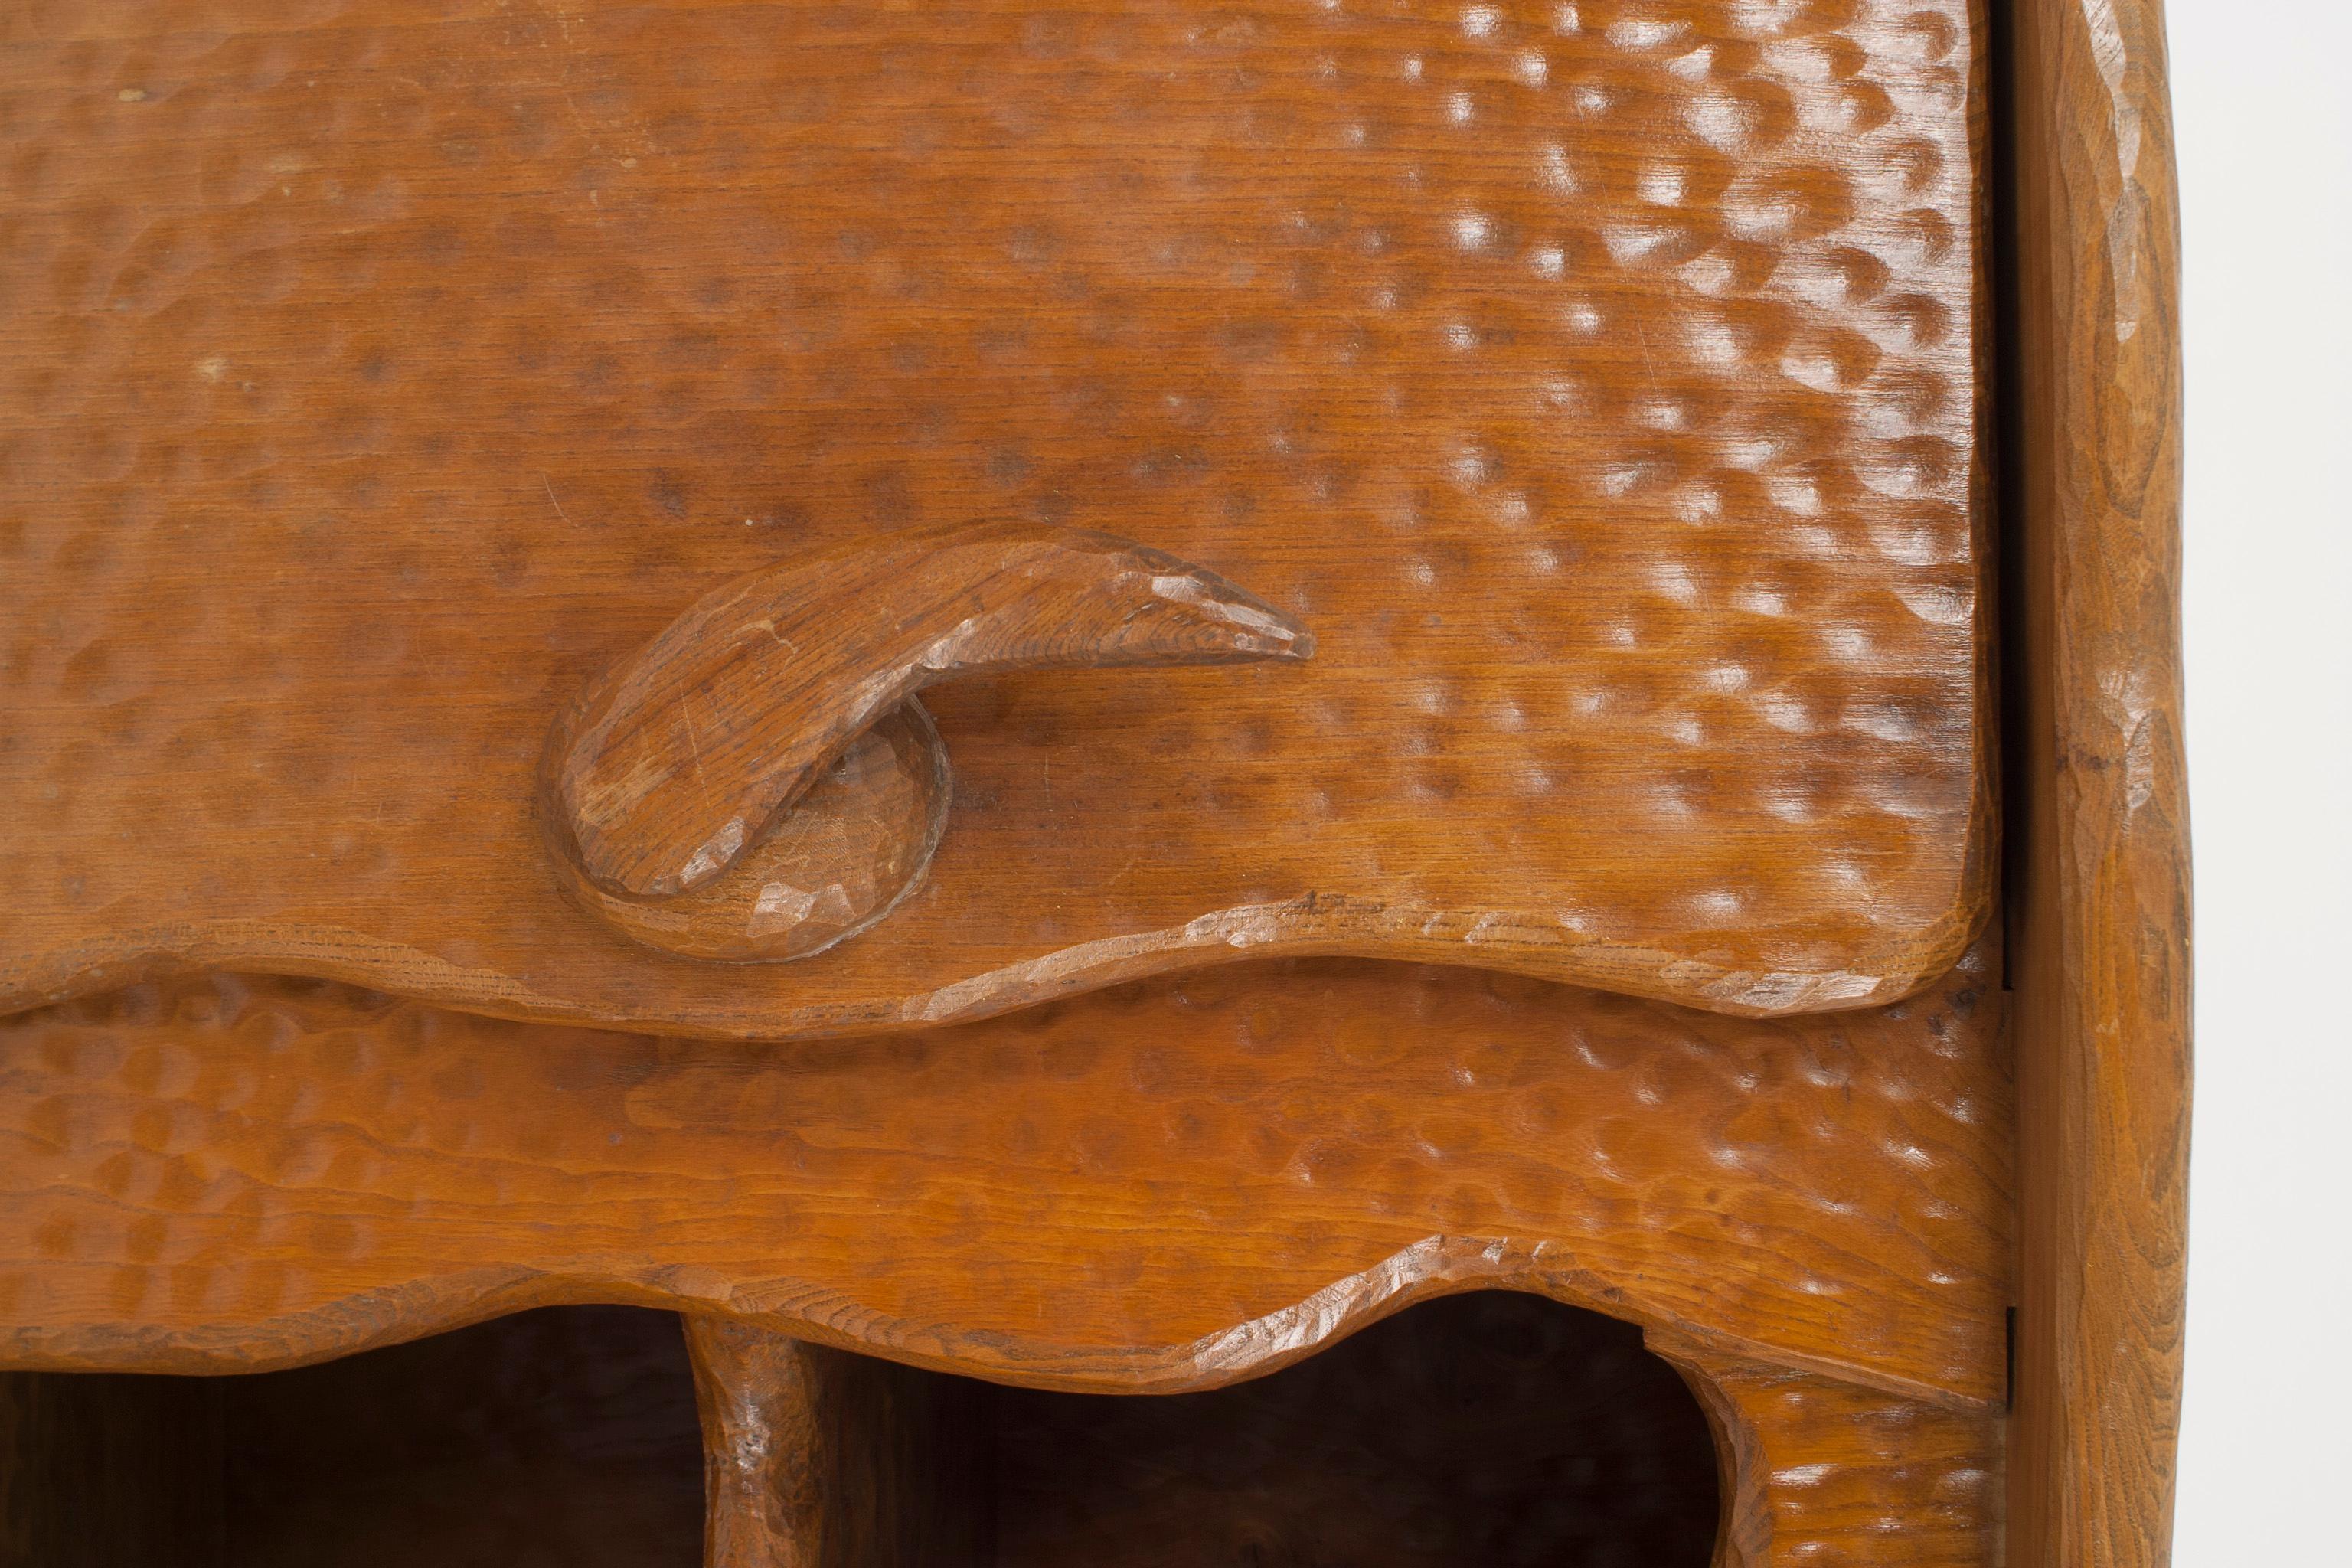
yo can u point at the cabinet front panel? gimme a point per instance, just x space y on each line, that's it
1599 386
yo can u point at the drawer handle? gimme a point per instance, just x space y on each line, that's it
759 781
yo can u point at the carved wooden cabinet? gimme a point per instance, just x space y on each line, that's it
1039 714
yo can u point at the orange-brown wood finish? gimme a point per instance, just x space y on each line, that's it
817 1458
1555 1422
481 488
1600 383
1498 1430
1163 1187
2101 880
1820 1471
1169 1186
771 1444
687 768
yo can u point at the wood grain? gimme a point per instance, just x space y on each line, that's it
839 860
771 1410
1600 383
1604 383
691 767
1824 1474
681 756
817 1458
1162 1188
2101 883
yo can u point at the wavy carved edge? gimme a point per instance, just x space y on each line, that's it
1313 925
805 1449
1434 1267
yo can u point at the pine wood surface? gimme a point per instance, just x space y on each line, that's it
1493 1429
813 1458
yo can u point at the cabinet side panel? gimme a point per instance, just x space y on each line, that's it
2101 878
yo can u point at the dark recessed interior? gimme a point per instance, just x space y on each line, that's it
565 1436
1490 1430
1486 1430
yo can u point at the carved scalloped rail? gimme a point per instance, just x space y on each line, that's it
229 1173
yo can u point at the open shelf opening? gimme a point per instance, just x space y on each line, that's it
560 1438
1481 1431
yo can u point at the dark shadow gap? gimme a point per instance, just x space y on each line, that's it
1479 1431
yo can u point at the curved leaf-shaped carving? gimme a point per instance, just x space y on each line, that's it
771 728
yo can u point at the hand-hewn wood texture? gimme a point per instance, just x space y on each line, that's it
680 788
683 753
814 1457
1601 385
1600 382
1492 1430
2101 883
1824 1474
1166 1187
839 860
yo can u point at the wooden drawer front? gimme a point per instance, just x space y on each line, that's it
1599 386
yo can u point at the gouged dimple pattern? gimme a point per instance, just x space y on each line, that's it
1833 1476
1597 381
1164 1185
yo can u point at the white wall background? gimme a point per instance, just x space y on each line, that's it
2262 95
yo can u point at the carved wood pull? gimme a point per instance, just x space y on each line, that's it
758 782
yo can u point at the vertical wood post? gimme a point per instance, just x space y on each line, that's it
2100 873
814 1457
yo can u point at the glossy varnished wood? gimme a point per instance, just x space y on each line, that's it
1168 1186
766 751
2101 884
1495 1428
772 1446
1600 382
839 858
